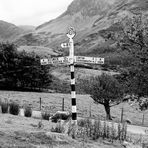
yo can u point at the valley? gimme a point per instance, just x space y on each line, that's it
103 29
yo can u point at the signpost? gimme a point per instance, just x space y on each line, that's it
91 60
44 61
71 60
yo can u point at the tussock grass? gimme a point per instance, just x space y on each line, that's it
4 106
28 111
46 115
58 129
14 108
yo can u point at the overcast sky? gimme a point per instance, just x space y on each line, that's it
31 12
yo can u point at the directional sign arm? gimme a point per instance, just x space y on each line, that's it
71 32
55 61
65 45
44 61
99 60
91 60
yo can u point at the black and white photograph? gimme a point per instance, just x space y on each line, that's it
73 73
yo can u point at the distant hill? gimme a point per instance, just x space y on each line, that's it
42 51
9 31
27 28
81 14
92 20
89 17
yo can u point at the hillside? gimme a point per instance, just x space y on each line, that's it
27 28
80 14
42 51
88 18
93 21
9 31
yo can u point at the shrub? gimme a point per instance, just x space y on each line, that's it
4 107
84 122
14 108
58 129
59 115
28 111
143 103
46 115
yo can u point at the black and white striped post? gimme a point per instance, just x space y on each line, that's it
71 33
71 61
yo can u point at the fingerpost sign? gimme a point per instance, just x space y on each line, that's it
70 60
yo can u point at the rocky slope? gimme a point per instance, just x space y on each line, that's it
88 17
80 14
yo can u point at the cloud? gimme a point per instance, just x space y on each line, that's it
31 12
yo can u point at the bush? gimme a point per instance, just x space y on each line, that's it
4 107
58 129
28 111
45 115
14 108
58 116
84 122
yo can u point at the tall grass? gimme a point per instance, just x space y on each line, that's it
46 115
28 111
4 106
100 129
14 108
58 129
94 130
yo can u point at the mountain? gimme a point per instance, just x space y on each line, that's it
80 14
90 18
9 31
27 28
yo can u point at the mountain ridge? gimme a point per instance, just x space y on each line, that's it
89 18
77 13
10 32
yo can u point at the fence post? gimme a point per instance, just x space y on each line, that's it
143 119
122 115
63 104
90 111
40 103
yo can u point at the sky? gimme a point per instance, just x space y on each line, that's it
31 12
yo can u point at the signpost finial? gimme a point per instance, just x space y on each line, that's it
71 32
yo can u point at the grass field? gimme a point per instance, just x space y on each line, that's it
83 73
17 131
53 102
23 132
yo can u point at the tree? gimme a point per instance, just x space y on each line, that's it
21 70
31 74
134 38
8 63
106 90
